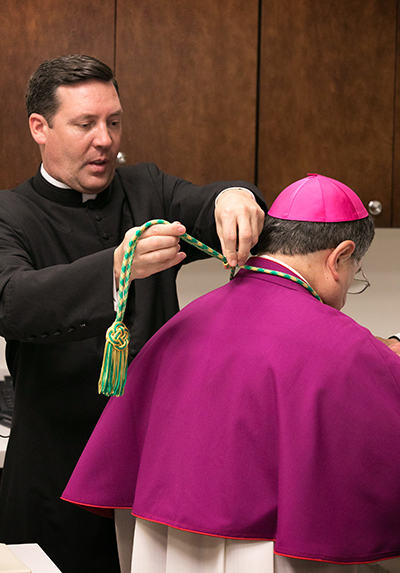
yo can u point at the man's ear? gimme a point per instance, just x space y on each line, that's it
39 128
338 256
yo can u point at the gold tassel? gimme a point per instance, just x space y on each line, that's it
114 368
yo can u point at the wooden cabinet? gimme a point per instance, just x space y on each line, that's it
264 91
396 147
30 33
188 77
187 73
327 85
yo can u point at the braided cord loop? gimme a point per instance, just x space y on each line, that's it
114 368
115 360
284 276
124 281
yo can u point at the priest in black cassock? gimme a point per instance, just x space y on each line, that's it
63 234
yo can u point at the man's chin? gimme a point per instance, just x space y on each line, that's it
94 185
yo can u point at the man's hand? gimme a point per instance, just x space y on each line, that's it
157 249
239 221
393 344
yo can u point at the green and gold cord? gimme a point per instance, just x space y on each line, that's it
115 359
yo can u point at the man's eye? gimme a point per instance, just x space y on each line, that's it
84 124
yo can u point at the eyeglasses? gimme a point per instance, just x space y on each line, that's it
359 284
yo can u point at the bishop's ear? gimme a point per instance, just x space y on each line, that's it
38 126
339 256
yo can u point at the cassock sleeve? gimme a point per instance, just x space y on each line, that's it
181 200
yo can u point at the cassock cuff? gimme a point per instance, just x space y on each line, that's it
230 189
396 336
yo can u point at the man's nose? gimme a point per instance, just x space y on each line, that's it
102 136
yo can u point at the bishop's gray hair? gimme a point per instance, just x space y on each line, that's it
284 237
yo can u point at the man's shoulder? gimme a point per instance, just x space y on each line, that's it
16 196
142 184
25 185
138 171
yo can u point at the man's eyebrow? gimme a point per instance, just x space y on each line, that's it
84 116
88 116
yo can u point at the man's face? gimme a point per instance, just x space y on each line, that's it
81 146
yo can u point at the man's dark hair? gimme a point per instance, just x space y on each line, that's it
284 237
41 95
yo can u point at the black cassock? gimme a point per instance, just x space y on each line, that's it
56 303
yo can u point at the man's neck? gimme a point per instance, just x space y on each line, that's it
280 259
60 185
307 267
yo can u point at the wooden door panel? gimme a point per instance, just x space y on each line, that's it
327 95
396 153
30 33
188 77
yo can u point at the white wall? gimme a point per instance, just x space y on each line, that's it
378 308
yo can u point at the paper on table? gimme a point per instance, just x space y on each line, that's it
9 563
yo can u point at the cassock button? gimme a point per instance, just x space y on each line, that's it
106 236
31 338
57 333
71 329
45 335
83 325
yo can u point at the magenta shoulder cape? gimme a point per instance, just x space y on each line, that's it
257 412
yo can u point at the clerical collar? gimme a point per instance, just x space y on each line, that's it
275 260
69 197
60 185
